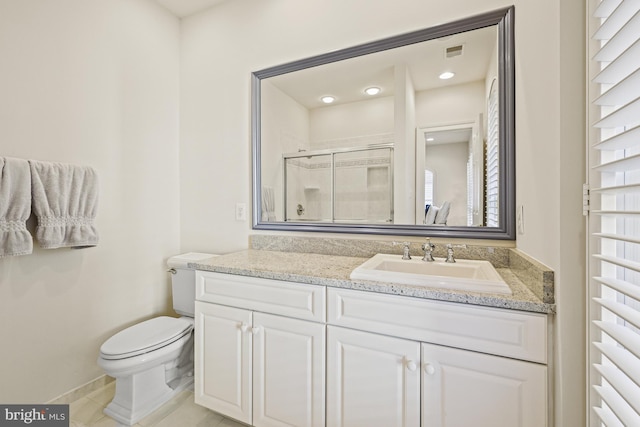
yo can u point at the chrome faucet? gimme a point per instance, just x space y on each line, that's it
428 248
450 257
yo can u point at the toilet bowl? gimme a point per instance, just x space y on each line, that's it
152 361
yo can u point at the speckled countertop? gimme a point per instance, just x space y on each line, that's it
334 270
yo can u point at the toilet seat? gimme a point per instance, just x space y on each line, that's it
145 337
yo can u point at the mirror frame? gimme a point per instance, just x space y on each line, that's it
504 19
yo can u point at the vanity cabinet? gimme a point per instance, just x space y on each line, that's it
288 372
262 347
259 368
463 388
373 380
426 384
223 360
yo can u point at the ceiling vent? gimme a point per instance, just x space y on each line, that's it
453 51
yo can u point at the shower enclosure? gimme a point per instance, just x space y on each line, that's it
350 185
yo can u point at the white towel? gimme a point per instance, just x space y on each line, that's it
15 207
65 200
268 204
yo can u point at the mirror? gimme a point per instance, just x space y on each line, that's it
419 155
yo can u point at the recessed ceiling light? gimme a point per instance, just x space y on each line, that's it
447 75
372 90
328 99
430 139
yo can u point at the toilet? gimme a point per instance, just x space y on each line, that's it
153 360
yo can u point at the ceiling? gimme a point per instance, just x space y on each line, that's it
346 80
184 8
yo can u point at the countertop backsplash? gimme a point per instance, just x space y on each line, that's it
535 275
498 256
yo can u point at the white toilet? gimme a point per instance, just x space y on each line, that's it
153 360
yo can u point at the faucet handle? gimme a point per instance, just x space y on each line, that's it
405 249
450 257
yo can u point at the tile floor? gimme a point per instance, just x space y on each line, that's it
181 411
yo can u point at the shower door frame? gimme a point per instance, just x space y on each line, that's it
333 152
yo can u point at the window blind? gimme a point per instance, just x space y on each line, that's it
492 177
470 190
428 187
614 219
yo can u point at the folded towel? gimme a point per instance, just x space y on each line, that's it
65 200
15 207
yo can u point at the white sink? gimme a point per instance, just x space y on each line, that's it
463 275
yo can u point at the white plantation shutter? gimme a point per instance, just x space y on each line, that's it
470 190
492 161
428 187
614 220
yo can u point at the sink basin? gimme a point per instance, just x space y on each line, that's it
463 275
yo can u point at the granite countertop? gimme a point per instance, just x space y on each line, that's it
334 270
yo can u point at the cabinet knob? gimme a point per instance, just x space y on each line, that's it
429 369
244 327
411 365
255 330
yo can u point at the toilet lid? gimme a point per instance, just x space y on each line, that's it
145 337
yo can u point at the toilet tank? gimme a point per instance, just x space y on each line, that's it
183 281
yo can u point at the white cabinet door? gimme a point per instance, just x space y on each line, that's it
462 388
288 372
372 380
223 360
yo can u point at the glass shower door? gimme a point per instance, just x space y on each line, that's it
363 186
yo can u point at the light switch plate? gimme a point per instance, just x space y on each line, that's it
241 211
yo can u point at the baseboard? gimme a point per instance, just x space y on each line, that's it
83 390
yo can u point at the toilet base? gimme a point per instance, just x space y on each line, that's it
139 395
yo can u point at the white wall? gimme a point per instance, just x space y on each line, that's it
448 162
454 104
284 129
371 117
404 168
88 83
448 105
223 45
